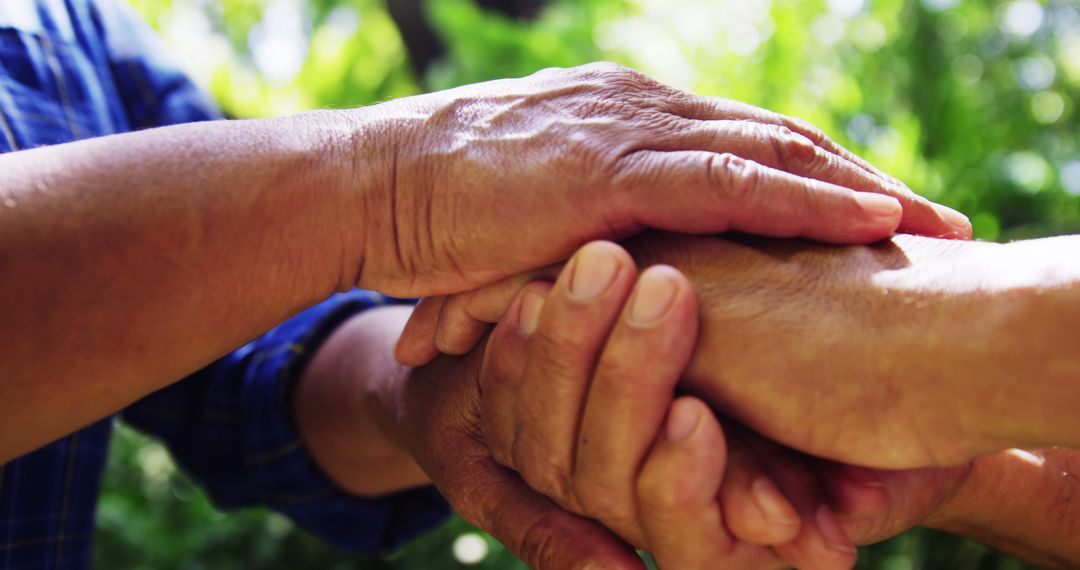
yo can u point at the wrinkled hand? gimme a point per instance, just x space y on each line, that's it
488 180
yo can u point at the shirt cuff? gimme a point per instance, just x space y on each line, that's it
287 478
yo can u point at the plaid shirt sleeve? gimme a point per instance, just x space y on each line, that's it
152 89
230 427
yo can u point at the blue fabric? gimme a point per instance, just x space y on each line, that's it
72 69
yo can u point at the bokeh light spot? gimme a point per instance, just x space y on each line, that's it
1035 73
1047 107
827 28
1027 170
1070 177
1022 17
967 68
470 548
847 8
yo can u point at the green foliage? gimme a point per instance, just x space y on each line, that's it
964 100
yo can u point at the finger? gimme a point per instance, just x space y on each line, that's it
732 193
537 531
457 332
821 542
540 533
416 346
755 509
853 491
677 489
630 395
488 304
502 369
465 317
875 504
920 215
573 327
776 147
707 108
444 395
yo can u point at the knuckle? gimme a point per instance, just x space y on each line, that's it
663 496
556 355
805 128
791 149
542 469
499 375
539 545
603 69
619 78
736 177
603 502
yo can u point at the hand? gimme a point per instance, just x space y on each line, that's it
488 180
582 423
885 340
437 415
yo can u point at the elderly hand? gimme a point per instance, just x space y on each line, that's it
485 181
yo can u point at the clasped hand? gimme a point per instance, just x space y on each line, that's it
569 444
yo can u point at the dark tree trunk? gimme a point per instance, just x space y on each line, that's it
423 43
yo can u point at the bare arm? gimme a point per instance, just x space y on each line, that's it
346 408
130 261
914 352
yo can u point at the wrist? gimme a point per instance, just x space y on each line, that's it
371 153
345 406
343 180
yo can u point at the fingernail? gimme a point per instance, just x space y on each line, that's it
862 476
653 296
532 304
879 205
953 218
772 503
682 421
594 270
834 535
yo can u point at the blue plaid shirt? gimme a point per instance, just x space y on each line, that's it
72 69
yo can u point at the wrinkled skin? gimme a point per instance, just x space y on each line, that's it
600 151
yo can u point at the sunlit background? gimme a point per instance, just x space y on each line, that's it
972 103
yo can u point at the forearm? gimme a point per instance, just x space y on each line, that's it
1024 504
130 261
346 406
1007 318
968 345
